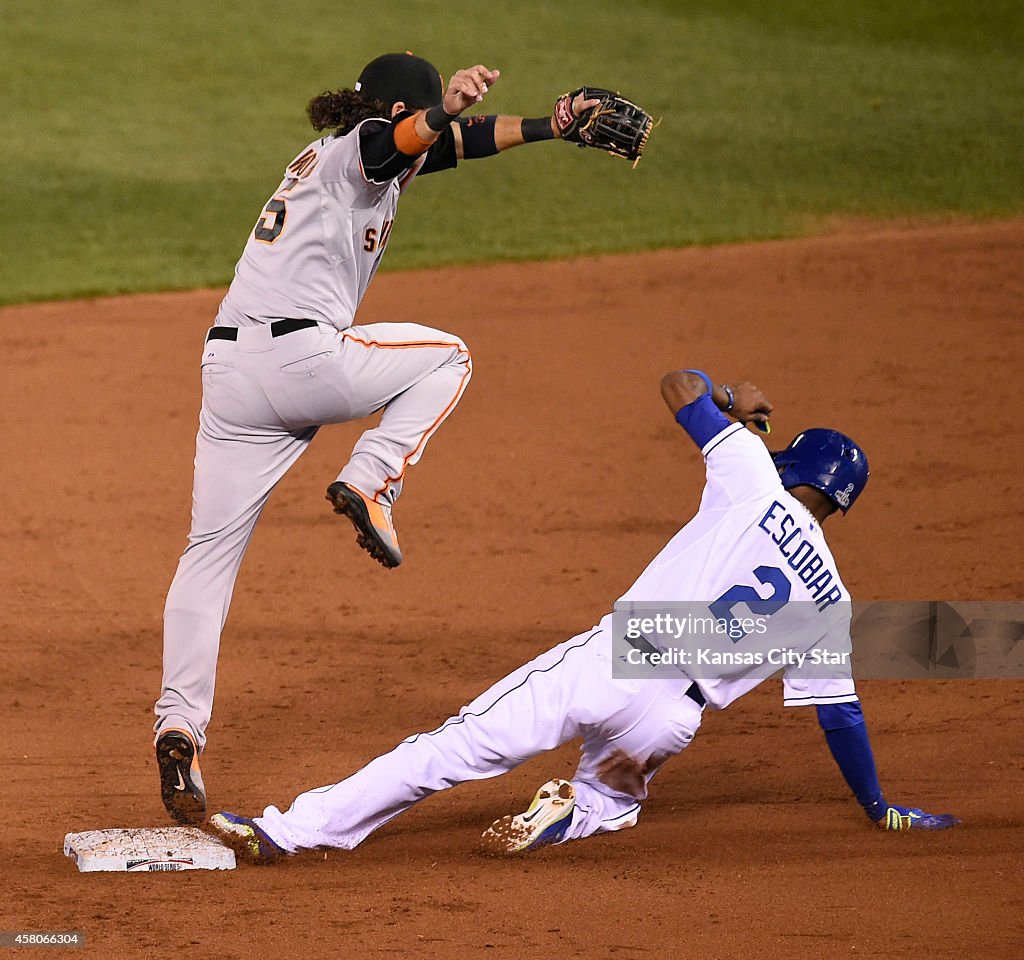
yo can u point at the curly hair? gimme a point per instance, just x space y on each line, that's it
341 110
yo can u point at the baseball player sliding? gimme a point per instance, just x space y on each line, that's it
756 540
286 357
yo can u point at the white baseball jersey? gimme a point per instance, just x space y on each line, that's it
752 541
318 241
746 523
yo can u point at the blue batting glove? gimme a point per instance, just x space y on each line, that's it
912 818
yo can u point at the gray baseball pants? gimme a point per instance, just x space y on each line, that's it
264 398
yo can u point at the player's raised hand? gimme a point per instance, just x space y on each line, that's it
749 405
467 87
911 818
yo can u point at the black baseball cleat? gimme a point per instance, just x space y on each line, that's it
374 531
181 783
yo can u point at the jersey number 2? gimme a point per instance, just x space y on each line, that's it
721 609
271 221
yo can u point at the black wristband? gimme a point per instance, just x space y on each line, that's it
538 128
730 396
437 119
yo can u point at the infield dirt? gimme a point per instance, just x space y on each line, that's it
559 476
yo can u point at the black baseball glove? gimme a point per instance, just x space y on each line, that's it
615 124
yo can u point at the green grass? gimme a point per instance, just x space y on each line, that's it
138 140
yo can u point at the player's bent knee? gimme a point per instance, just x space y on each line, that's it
461 350
443 338
460 356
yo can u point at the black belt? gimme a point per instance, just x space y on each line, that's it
693 692
278 328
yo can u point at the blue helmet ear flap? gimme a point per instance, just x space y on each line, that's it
826 460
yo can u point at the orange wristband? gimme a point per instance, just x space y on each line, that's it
408 140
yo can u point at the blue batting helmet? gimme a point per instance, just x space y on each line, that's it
827 460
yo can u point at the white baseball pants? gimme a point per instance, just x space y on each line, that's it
564 693
264 398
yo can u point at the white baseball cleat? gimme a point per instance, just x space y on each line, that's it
545 822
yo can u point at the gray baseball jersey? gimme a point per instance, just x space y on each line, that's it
310 256
318 240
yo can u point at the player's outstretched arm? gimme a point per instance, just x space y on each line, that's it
847 736
484 136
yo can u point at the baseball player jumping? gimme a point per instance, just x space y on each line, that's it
285 357
756 540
